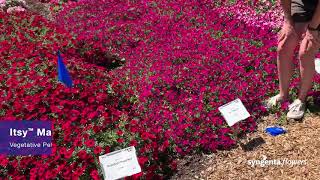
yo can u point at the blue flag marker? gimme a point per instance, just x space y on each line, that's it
275 131
63 74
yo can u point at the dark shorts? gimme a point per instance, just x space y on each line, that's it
303 10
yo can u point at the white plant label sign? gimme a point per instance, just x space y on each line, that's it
234 112
119 164
317 65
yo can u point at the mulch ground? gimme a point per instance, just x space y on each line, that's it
301 142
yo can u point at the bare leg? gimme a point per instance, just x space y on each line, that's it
285 51
307 54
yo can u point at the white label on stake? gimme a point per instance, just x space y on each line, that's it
234 112
317 65
119 164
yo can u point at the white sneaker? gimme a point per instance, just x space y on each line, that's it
296 109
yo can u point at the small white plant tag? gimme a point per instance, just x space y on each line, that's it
234 112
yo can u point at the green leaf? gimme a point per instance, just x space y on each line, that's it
43 31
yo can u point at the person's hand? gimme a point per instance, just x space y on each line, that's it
311 41
287 30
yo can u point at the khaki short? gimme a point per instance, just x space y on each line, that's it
303 10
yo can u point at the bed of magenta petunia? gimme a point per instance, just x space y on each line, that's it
149 74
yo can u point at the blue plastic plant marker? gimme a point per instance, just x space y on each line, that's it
275 131
63 74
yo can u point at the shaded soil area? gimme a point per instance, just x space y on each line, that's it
283 152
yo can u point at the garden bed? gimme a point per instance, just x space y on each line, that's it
148 74
298 144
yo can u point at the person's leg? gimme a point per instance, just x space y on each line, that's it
287 42
308 48
307 54
285 51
